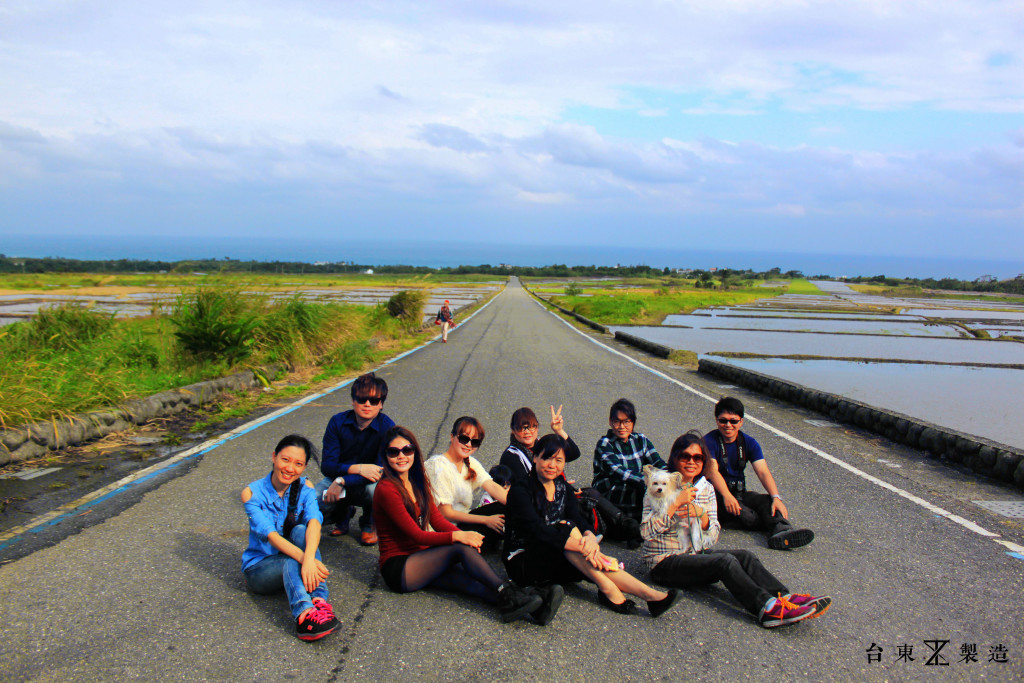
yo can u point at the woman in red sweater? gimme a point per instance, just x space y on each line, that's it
412 556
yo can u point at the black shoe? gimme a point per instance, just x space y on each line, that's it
624 607
631 530
515 603
791 538
659 607
316 623
552 596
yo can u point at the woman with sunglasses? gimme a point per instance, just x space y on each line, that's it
677 546
548 542
456 478
518 456
419 547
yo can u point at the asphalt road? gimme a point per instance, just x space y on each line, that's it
154 592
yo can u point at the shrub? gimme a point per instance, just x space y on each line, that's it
407 305
214 323
573 290
64 328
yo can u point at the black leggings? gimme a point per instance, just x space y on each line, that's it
740 571
456 567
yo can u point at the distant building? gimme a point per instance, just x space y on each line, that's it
368 271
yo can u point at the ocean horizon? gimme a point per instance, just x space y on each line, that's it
453 254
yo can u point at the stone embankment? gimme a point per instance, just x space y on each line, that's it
982 456
34 440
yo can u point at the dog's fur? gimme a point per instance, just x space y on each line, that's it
662 488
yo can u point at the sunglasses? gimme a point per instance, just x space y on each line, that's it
526 428
686 457
393 451
372 400
466 441
729 420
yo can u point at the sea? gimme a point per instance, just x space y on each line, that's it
439 254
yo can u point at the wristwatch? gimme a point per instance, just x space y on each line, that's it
340 481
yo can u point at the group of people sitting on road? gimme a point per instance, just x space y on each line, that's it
420 512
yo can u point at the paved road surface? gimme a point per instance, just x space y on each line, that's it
155 592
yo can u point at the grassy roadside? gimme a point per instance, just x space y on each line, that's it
71 359
645 306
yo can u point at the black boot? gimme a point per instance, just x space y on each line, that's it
515 603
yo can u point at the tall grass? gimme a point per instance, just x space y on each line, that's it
66 361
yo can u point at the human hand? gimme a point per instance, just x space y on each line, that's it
470 538
495 522
733 505
370 472
333 493
310 574
685 497
322 570
557 423
777 504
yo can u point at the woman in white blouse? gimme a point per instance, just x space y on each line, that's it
456 479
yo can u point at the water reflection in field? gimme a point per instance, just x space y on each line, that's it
889 326
833 345
980 401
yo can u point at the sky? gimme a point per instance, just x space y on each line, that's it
890 128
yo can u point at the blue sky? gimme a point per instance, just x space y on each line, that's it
854 127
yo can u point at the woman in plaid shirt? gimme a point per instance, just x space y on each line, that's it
674 561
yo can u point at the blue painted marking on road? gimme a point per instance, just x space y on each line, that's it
257 423
1017 555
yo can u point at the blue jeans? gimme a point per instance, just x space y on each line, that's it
359 494
278 571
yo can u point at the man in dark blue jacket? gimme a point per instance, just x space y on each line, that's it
349 459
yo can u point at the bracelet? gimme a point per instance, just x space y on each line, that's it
775 495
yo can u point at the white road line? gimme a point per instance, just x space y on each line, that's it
966 523
7 537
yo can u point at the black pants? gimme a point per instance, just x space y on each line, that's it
755 514
740 570
492 538
534 567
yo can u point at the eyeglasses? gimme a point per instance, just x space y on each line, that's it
372 400
526 428
393 451
686 457
729 420
618 424
466 441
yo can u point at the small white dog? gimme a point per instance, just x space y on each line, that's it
662 490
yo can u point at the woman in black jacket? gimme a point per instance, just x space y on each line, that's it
548 543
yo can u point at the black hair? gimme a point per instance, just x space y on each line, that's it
521 416
623 405
501 475
299 441
681 444
729 404
370 385
545 449
421 497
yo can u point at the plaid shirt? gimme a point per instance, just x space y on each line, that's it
619 469
665 536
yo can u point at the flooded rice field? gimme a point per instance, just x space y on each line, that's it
979 401
15 307
887 326
937 336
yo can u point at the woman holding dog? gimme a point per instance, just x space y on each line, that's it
544 544
678 535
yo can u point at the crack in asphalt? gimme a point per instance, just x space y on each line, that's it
350 636
446 419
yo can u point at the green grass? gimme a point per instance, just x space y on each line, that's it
179 281
71 360
650 306
802 286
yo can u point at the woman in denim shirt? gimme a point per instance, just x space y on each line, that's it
284 532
